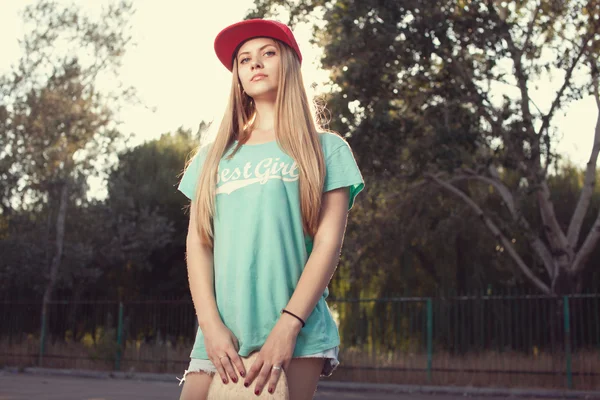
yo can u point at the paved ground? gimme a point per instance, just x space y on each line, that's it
27 387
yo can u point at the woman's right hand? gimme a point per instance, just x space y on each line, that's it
222 349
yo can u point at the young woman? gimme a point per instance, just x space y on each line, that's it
269 203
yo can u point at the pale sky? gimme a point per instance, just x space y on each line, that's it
173 66
176 72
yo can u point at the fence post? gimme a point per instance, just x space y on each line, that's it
429 337
119 337
568 342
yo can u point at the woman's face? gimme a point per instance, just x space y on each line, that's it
258 62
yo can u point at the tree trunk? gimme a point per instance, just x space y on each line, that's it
60 235
461 264
566 282
72 321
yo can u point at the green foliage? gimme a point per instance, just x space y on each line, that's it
130 245
146 180
441 90
55 125
412 93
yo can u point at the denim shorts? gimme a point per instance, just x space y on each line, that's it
206 366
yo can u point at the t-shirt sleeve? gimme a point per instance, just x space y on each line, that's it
189 180
342 171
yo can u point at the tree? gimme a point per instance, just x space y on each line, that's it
57 126
420 86
145 183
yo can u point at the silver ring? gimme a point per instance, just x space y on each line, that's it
223 356
277 367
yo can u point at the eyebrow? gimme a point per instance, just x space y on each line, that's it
266 45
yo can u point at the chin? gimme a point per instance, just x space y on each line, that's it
262 94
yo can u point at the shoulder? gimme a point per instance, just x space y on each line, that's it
204 149
331 142
187 184
195 160
199 155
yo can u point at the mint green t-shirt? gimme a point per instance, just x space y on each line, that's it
260 249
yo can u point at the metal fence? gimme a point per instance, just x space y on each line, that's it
510 341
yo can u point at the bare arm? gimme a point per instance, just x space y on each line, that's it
200 275
220 343
324 257
279 346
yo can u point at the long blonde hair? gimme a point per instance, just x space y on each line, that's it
295 131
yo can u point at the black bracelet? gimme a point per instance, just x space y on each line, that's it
294 315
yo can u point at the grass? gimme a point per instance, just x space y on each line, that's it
483 369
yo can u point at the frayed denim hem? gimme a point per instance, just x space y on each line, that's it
206 366
196 366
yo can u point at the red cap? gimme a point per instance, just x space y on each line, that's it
228 40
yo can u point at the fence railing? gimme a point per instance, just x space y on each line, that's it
527 341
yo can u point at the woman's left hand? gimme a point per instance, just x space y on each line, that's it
275 355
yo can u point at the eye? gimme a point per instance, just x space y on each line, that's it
270 53
244 60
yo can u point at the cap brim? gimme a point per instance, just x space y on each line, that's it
228 40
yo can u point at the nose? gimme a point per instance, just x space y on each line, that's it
256 63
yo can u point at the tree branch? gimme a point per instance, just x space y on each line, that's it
556 236
589 181
538 245
546 118
587 247
495 231
516 55
483 103
593 236
531 25
499 185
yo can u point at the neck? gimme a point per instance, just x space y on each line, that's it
265 115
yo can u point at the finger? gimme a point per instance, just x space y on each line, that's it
262 378
286 364
239 364
253 371
276 372
219 366
226 362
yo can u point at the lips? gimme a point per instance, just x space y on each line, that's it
258 77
